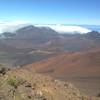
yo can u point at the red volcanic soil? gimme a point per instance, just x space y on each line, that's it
73 64
80 68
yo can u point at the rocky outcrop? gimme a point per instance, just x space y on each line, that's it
22 84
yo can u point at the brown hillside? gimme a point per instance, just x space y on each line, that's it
21 84
80 68
71 64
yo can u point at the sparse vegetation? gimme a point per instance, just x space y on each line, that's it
23 84
14 82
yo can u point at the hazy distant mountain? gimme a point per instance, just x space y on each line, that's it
33 32
7 48
44 39
94 35
30 36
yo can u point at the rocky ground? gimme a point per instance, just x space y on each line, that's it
24 84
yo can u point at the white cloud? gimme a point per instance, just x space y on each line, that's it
67 29
12 26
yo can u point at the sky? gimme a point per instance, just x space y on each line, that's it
51 11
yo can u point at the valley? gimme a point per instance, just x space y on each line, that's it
68 57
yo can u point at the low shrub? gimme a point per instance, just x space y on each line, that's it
14 82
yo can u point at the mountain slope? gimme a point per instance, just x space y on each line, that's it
81 68
71 64
22 84
31 37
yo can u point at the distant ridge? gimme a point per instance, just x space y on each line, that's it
60 28
71 64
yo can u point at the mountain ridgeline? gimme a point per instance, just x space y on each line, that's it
45 37
31 43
